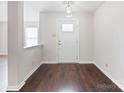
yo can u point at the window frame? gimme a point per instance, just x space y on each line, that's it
64 26
33 45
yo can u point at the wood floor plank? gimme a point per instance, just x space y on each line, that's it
69 77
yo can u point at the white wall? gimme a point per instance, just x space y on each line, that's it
3 10
31 13
3 38
3 28
20 61
48 28
109 39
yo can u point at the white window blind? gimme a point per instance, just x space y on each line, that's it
31 36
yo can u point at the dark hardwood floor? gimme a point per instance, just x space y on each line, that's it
69 78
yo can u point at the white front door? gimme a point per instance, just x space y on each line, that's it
68 41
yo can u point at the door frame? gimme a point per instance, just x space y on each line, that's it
58 21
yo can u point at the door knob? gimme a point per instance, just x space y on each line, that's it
59 44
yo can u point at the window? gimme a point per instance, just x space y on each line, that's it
67 27
31 36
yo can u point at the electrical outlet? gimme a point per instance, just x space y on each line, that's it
53 35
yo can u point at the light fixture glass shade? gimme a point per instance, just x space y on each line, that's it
68 11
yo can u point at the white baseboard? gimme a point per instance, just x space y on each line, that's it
17 88
33 70
4 54
49 62
80 62
86 62
110 77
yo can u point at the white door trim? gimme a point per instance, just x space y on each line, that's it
57 36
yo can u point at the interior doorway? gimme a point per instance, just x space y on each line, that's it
68 40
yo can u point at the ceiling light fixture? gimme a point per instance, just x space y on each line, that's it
68 10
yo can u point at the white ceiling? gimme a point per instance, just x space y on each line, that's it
87 6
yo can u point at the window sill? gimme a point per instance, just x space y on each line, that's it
26 47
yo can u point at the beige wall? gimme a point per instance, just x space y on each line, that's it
109 39
48 29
